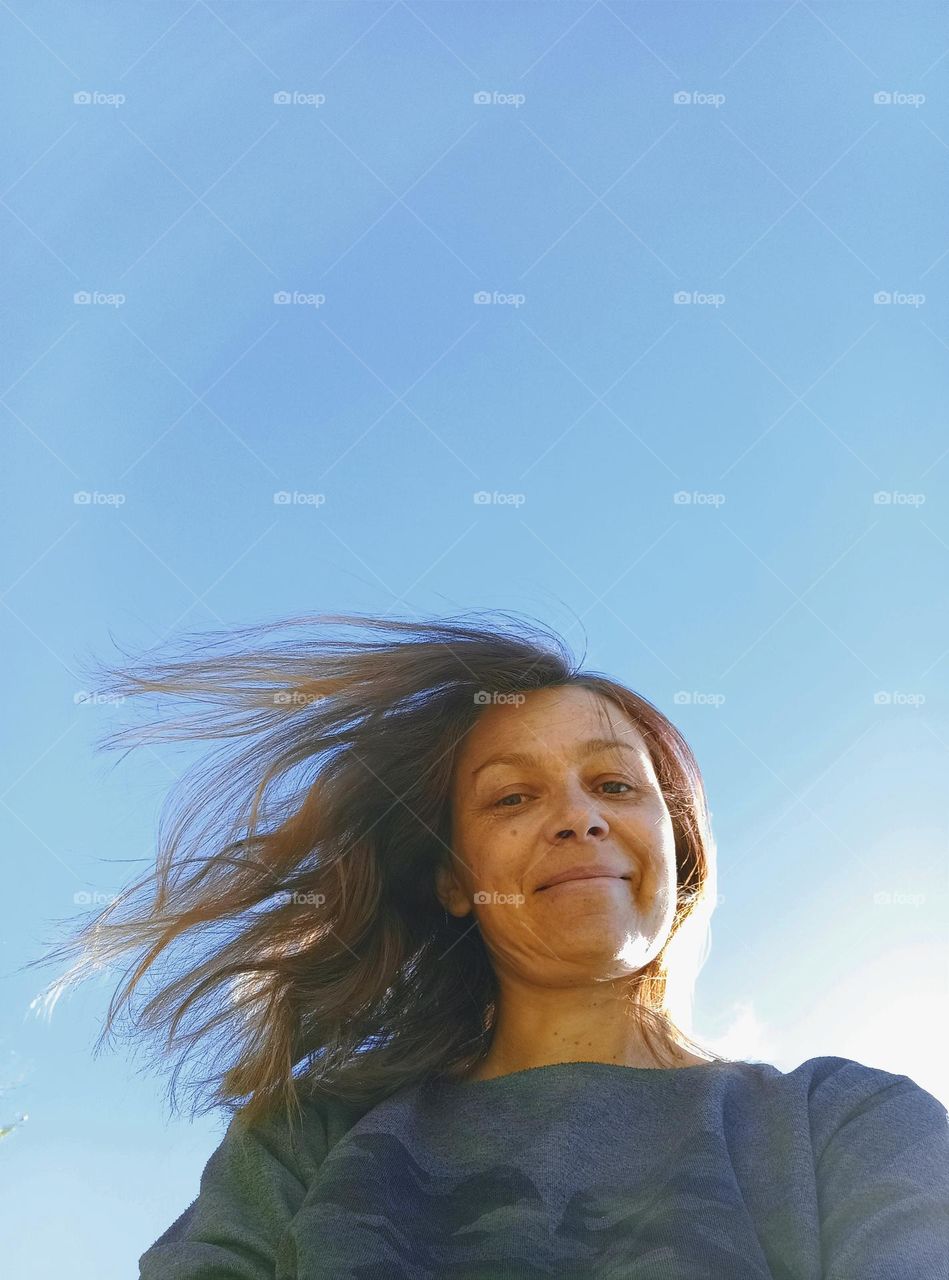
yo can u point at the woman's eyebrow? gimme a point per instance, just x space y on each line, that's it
525 760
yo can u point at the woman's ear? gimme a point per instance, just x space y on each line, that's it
450 892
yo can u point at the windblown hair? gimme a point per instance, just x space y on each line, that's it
291 917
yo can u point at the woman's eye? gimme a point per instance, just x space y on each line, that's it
610 782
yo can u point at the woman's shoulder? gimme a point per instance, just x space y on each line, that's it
849 1101
297 1134
254 1182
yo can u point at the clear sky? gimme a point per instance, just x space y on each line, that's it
631 317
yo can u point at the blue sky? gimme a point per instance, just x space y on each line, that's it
629 317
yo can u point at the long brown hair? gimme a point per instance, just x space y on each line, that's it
291 918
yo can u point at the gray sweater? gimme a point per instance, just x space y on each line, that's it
735 1171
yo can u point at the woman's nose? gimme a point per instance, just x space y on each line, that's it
579 818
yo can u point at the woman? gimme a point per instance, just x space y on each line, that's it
441 916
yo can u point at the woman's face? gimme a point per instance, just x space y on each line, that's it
516 824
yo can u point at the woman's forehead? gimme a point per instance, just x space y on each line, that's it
549 720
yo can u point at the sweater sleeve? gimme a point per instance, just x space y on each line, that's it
252 1186
883 1180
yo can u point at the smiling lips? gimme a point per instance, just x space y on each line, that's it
581 873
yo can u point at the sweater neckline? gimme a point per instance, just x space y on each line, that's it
561 1068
